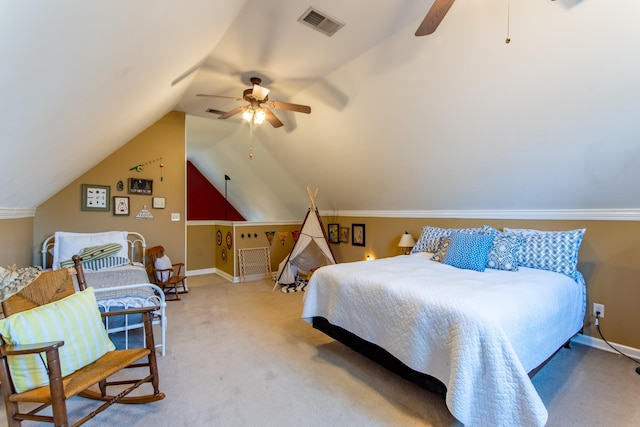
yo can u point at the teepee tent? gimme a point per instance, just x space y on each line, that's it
310 251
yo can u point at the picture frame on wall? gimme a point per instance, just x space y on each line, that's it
158 202
140 186
333 232
344 234
95 198
357 234
121 205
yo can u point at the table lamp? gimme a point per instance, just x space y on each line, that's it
406 242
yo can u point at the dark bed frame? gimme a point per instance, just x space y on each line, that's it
387 360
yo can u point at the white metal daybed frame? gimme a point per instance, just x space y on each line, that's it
125 296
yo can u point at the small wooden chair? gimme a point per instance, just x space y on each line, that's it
53 286
168 276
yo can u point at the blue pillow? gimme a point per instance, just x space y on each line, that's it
468 251
504 252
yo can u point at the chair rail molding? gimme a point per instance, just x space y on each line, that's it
550 214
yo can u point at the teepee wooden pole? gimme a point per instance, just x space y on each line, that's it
312 197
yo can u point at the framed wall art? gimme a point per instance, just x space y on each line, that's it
333 230
140 186
344 234
120 205
357 234
95 198
158 202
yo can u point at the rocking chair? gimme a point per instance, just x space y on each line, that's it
165 274
50 307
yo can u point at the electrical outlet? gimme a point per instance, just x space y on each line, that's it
598 308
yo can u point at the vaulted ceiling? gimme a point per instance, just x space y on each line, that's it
457 120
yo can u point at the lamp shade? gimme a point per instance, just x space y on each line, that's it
406 241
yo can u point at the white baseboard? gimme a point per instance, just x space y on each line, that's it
201 272
229 277
602 345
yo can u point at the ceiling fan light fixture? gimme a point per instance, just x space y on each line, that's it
248 114
259 92
258 116
254 115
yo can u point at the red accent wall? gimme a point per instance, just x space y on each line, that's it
204 202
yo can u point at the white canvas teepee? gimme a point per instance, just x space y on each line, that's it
310 251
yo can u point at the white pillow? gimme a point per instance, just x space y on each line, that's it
69 244
161 264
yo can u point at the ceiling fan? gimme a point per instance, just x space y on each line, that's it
436 14
254 111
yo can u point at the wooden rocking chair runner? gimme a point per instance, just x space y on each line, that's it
49 287
165 274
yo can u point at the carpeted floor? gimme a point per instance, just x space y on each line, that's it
239 355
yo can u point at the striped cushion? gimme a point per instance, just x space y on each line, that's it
102 263
74 320
94 252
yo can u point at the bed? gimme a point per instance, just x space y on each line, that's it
472 335
115 266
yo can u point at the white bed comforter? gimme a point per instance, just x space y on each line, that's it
477 332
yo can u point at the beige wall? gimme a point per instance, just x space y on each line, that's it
201 251
165 139
609 259
17 237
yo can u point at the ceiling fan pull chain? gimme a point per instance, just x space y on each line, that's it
508 40
251 139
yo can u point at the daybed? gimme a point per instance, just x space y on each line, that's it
442 318
120 279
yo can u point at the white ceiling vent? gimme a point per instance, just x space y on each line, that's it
320 21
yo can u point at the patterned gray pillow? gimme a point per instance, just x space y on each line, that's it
429 238
504 252
443 246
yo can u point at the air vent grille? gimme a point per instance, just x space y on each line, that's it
320 21
214 111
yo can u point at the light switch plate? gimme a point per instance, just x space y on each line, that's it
175 217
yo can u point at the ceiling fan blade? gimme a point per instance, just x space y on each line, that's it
232 112
435 15
235 98
291 107
271 118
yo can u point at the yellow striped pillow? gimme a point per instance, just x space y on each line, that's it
75 320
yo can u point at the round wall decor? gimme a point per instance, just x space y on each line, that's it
229 240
